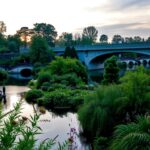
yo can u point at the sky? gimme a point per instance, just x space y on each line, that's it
124 17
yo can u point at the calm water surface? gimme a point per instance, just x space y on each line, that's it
51 123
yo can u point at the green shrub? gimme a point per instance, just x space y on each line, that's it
43 77
32 83
98 114
45 86
58 86
33 95
3 76
61 66
132 136
4 49
41 101
65 98
70 79
36 68
57 98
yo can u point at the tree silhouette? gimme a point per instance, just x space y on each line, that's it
111 71
39 50
47 31
70 52
103 38
89 34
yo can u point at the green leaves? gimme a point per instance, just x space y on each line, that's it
13 127
133 136
111 71
39 50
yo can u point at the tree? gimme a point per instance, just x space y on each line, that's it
39 50
89 34
103 38
14 42
66 39
135 85
111 71
3 41
128 40
77 39
148 39
117 39
3 76
25 34
70 52
47 31
2 27
137 39
61 66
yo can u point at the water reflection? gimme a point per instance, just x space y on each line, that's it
52 124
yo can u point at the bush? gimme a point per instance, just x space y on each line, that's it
61 66
3 76
65 98
43 77
101 107
33 95
45 86
32 83
69 79
57 86
36 68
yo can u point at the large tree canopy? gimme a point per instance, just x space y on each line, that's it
103 38
65 39
117 39
39 50
14 42
70 52
90 34
47 31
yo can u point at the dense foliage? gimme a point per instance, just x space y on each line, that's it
39 50
61 66
132 136
47 31
70 52
113 105
111 71
16 134
63 84
3 76
32 95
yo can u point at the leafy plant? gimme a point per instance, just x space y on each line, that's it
32 95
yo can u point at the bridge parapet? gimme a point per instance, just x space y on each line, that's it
107 47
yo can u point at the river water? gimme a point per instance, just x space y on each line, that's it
52 124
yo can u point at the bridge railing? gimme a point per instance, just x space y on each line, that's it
107 46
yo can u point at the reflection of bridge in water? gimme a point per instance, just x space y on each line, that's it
93 56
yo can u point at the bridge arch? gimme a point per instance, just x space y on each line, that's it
21 69
93 60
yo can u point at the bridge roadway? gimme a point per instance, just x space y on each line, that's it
91 55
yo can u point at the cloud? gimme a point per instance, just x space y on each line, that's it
126 29
120 5
123 29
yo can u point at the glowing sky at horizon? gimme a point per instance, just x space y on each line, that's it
128 17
